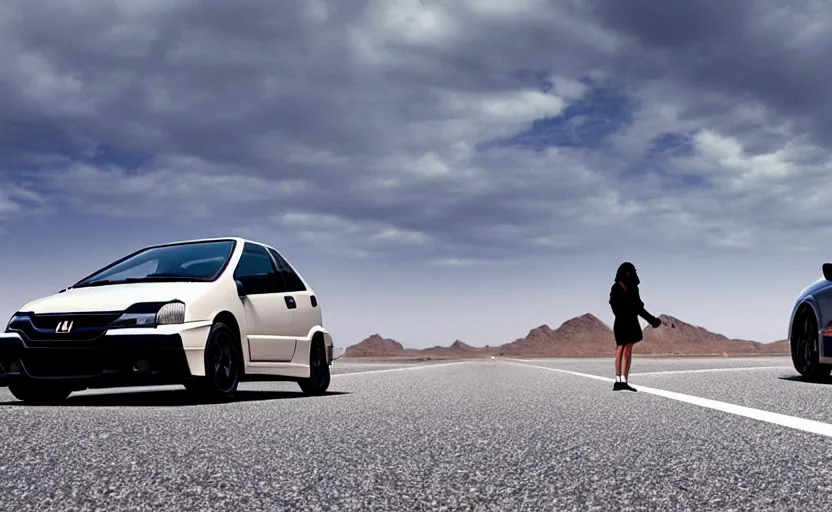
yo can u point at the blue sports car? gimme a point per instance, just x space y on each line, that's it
810 328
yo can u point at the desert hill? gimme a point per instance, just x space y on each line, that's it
585 335
375 346
677 337
458 349
582 336
384 348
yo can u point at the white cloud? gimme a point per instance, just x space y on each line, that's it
412 22
336 234
512 107
518 9
742 171
7 205
160 194
16 201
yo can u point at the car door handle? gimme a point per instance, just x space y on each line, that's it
290 302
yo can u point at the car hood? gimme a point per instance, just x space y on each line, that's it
116 297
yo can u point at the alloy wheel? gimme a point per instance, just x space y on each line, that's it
224 362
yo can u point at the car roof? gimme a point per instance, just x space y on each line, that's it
217 239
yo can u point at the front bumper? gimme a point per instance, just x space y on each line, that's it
120 356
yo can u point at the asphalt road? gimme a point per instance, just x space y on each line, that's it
478 435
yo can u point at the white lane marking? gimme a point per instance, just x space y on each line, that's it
512 359
359 372
587 375
815 427
708 370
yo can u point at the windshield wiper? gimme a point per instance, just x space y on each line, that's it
168 276
97 283
161 277
146 279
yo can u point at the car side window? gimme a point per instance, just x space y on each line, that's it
255 270
290 277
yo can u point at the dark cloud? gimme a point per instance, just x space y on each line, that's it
676 24
469 129
718 55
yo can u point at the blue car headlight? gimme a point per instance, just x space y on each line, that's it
151 315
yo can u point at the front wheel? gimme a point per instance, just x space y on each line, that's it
805 353
39 393
223 366
319 375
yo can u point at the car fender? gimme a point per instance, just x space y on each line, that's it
237 309
222 297
306 343
319 329
817 309
806 300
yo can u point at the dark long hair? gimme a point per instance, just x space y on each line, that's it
620 275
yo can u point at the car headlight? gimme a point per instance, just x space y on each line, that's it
171 313
151 315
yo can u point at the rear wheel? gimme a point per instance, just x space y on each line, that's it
805 350
319 375
39 393
223 366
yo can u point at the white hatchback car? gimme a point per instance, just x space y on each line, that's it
203 313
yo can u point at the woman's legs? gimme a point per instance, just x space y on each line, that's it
628 359
619 359
619 362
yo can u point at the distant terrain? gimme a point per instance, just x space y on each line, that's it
583 336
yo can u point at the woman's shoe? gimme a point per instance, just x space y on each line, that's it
618 386
626 386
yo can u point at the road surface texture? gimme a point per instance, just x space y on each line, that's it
701 434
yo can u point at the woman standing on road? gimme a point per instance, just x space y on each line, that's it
627 307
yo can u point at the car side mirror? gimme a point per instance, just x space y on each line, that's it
827 271
241 289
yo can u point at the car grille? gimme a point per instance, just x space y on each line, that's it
65 365
85 326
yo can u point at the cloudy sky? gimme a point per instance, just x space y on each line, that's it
437 169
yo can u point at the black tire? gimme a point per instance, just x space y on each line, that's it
805 350
223 366
319 374
39 393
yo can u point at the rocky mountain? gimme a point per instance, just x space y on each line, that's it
457 349
582 336
385 348
778 347
677 337
375 346
585 335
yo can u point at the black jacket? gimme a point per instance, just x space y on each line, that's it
627 307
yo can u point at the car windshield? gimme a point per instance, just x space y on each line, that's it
195 261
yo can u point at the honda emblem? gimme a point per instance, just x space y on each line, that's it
64 326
